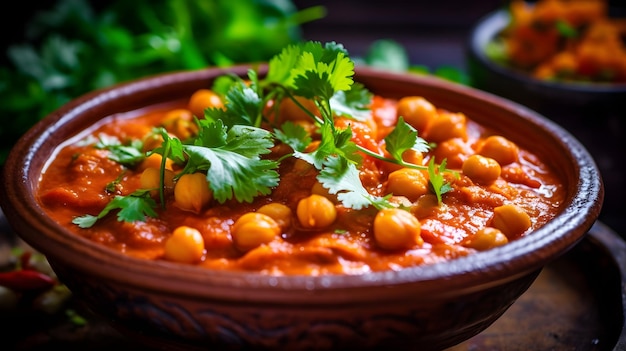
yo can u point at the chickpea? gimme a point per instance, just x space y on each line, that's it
400 201
185 245
500 149
151 141
302 166
396 229
408 182
487 238
417 111
316 211
289 111
154 161
191 192
151 179
413 156
455 151
446 126
279 212
510 219
481 169
426 205
319 189
410 155
202 99
180 123
254 229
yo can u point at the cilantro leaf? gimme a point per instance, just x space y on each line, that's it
170 148
352 103
404 137
231 159
293 135
333 143
133 207
280 66
342 178
321 80
436 181
127 154
244 106
566 29
230 144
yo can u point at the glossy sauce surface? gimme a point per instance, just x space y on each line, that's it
75 183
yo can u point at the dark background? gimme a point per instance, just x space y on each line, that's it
433 32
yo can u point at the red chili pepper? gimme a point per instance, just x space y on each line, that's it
25 280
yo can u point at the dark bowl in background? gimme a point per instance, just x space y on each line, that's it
594 113
553 98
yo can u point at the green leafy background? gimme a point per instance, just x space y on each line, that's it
74 47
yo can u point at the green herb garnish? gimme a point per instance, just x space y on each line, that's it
133 207
565 29
230 143
129 154
436 181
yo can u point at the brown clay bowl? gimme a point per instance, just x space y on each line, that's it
171 305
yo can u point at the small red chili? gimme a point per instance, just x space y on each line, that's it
26 280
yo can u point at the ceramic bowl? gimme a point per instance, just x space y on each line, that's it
553 99
172 306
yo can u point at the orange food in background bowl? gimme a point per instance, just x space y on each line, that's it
572 41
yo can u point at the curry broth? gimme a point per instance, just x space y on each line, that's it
76 180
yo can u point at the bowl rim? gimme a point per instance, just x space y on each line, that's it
476 271
489 25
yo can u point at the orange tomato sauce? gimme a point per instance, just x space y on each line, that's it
77 182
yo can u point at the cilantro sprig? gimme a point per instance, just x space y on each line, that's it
134 207
231 158
230 144
128 154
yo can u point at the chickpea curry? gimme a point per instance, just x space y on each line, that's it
303 171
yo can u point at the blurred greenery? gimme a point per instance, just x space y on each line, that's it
74 48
